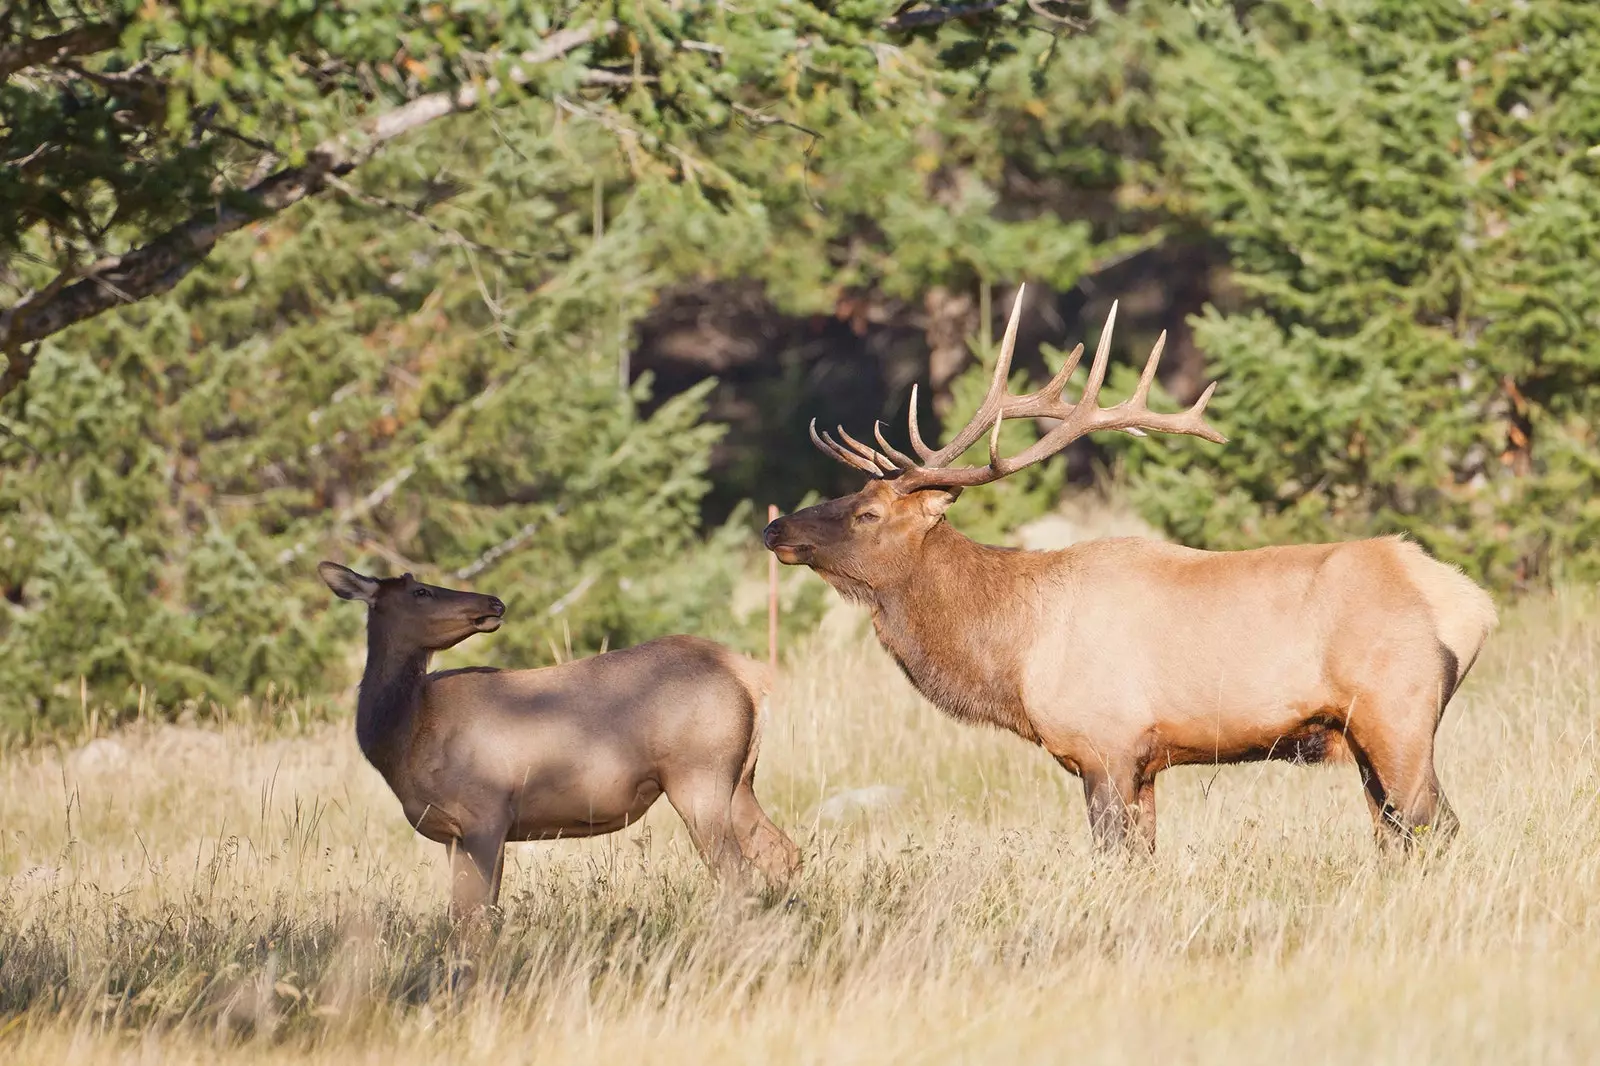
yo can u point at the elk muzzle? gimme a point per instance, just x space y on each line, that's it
782 540
495 612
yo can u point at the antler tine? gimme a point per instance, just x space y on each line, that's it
916 434
1141 395
1148 377
829 447
860 462
1196 415
994 401
1052 392
896 456
1097 369
865 451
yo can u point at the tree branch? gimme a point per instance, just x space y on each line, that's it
934 16
154 268
78 41
453 236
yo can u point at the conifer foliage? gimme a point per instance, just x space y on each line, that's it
373 273
288 281
1410 196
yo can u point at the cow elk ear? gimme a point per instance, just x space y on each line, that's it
935 502
347 584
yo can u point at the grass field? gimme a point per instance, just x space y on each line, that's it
172 895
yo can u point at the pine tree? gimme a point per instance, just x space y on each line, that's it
1407 192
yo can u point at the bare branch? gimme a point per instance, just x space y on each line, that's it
494 554
156 267
934 16
1038 8
78 41
453 236
609 77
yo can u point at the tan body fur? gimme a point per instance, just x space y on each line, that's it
1137 656
479 757
1123 657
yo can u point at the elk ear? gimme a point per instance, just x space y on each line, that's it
347 584
935 502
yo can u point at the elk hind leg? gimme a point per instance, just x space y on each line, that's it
760 841
1393 747
705 802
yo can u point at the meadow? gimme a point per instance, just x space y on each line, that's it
172 894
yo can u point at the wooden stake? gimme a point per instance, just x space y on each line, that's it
772 597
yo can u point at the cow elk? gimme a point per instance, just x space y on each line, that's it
478 756
1123 657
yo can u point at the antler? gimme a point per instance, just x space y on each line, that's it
1079 419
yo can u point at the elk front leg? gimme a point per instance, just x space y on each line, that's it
1114 803
1147 809
476 863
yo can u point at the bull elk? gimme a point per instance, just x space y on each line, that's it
478 756
1123 657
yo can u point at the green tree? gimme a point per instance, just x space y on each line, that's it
1408 194
429 371
138 134
396 396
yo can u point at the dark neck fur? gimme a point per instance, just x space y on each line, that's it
955 622
391 693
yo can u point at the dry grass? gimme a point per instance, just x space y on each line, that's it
174 895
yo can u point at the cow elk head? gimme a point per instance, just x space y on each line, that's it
411 614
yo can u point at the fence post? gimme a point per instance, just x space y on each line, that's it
772 597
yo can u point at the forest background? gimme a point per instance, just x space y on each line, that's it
540 299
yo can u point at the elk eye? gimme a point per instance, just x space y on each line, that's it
421 592
867 516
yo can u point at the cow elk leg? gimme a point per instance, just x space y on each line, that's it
476 863
763 844
705 803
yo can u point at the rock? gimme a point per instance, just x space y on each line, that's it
857 801
99 755
187 743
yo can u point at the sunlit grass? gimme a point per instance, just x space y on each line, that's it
177 895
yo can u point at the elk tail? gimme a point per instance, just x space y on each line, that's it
756 679
1463 613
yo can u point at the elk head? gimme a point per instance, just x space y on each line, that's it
860 542
412 614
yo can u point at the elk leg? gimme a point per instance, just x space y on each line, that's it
1113 803
706 806
476 863
761 842
1147 809
1396 763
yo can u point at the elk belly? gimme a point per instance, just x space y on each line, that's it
1298 737
601 796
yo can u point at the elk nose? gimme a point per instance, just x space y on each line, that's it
497 605
771 536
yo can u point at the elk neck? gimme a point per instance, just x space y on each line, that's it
391 696
959 623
